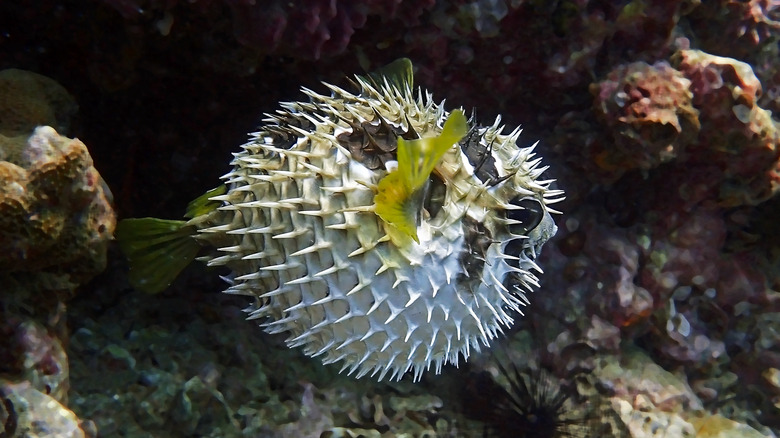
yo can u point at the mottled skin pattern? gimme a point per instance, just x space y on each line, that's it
298 230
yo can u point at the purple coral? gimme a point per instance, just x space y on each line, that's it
302 29
736 28
322 27
737 135
755 20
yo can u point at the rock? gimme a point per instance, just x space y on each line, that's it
27 412
716 426
56 218
649 112
56 221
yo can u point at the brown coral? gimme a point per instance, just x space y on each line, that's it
648 109
56 217
30 100
737 134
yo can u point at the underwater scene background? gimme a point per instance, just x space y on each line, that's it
658 311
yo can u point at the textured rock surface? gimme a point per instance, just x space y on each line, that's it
27 412
30 353
56 221
649 109
737 135
56 218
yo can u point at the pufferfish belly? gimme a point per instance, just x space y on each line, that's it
299 233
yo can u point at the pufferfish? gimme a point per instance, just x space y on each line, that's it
374 228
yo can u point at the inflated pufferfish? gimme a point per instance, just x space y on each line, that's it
376 229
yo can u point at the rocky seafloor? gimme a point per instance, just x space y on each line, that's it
658 311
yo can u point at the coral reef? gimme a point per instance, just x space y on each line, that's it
659 120
56 222
738 28
30 353
737 135
658 252
56 217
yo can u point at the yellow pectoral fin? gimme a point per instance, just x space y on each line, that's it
395 201
392 204
417 158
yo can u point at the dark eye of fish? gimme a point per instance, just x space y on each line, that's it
529 215
433 199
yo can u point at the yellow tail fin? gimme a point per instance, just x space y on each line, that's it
156 250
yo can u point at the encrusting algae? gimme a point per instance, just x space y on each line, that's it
376 229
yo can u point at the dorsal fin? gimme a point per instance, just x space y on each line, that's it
399 73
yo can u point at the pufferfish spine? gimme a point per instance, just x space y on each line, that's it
301 230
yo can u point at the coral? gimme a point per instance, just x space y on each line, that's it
703 114
637 376
737 135
55 225
34 383
25 411
318 28
56 217
737 28
657 253
29 352
489 55
717 426
600 274
759 19
648 110
643 422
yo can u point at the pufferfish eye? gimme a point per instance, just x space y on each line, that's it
435 192
529 214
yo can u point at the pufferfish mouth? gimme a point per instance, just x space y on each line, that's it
530 226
